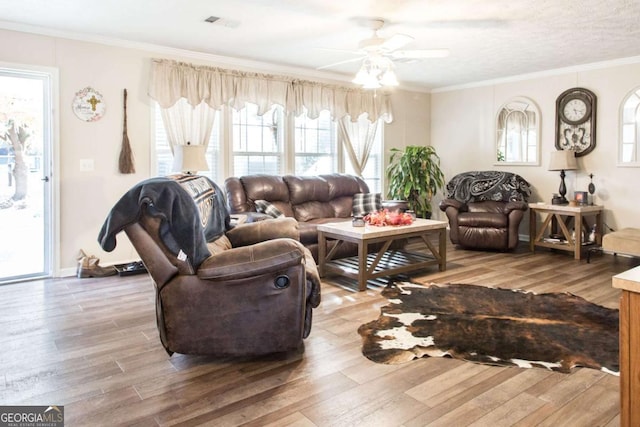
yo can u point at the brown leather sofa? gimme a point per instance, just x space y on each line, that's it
310 200
247 290
485 209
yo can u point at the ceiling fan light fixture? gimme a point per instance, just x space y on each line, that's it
362 76
389 79
375 73
367 79
380 54
372 83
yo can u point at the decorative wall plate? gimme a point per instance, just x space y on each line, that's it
88 105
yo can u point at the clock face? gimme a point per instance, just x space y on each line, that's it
575 110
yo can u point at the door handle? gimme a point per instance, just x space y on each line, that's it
45 179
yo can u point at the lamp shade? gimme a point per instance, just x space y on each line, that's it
189 158
563 160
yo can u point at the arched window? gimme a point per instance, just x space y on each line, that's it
517 130
630 132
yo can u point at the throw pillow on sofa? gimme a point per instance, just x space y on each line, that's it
265 207
365 203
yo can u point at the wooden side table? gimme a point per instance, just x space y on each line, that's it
629 282
562 215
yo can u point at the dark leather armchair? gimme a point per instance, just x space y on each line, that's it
247 290
485 209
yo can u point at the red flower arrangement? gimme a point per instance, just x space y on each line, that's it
384 217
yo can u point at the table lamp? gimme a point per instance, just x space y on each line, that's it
189 158
562 160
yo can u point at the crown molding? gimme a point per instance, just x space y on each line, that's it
540 74
220 60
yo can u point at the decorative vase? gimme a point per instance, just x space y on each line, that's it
358 221
591 188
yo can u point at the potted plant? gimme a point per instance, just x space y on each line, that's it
414 175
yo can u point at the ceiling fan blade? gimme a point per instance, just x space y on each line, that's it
341 62
419 53
396 42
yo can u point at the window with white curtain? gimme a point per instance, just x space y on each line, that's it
257 141
259 144
315 145
164 157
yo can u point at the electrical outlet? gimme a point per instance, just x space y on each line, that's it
86 165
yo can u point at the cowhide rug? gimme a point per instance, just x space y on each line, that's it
557 331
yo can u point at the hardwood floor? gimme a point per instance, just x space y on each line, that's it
92 346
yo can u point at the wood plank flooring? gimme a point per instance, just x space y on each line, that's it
92 346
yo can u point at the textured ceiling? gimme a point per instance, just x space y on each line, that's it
488 39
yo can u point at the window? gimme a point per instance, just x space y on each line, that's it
164 157
257 146
517 132
261 144
315 145
630 118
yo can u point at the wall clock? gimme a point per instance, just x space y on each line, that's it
576 121
88 105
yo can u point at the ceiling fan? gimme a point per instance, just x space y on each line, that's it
378 55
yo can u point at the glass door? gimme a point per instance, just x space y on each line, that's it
25 174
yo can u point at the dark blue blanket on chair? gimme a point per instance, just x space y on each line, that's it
192 209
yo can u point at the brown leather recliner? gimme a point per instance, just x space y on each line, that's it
249 290
485 209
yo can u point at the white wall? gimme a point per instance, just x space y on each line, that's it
87 197
411 123
463 132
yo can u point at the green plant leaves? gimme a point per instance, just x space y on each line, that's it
414 175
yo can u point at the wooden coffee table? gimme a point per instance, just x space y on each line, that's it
386 262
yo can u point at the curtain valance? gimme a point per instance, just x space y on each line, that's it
172 80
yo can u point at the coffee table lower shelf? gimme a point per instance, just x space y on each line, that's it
391 263
388 260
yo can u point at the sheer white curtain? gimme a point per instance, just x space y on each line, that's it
186 124
358 137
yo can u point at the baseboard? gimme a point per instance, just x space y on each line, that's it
67 272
